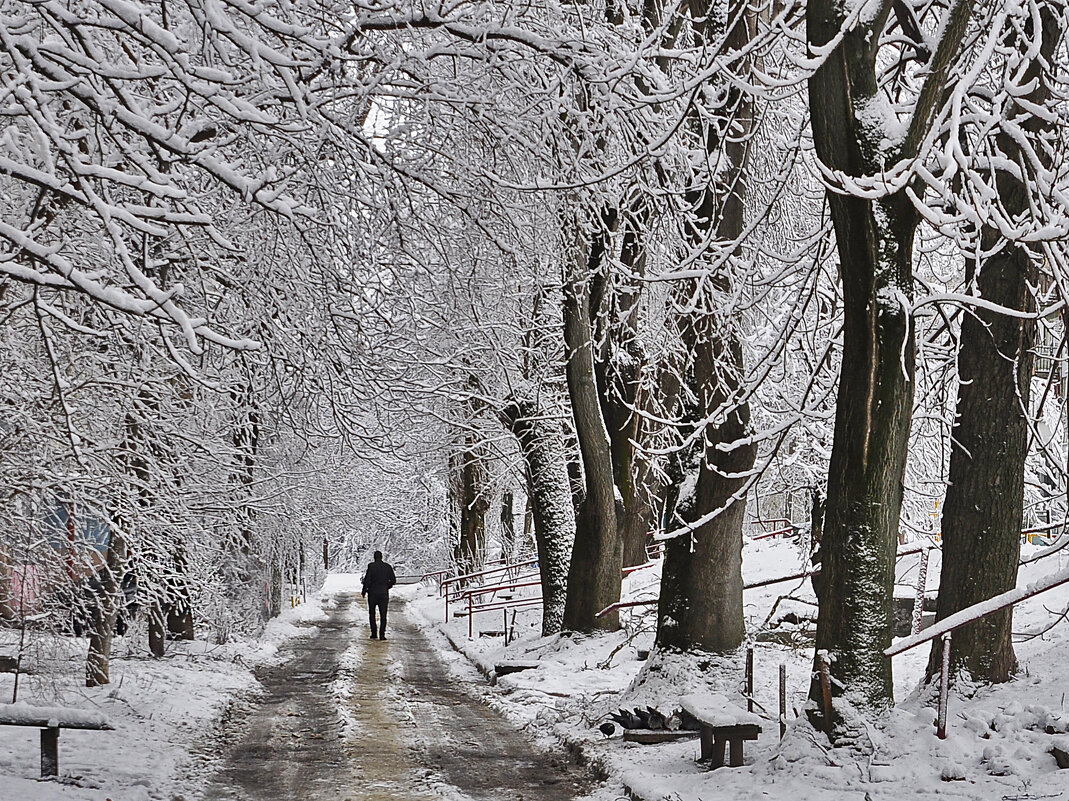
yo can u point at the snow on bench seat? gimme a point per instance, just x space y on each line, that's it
721 723
52 717
716 710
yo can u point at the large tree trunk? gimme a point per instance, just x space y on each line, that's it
873 405
594 576
180 601
701 585
619 364
984 508
619 394
474 503
104 611
541 441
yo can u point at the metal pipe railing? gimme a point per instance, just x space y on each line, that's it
779 532
970 614
459 594
483 573
512 603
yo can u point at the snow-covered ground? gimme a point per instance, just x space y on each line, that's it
165 712
998 739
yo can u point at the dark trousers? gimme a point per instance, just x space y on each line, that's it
380 602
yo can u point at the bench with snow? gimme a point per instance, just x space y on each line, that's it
50 719
720 723
514 666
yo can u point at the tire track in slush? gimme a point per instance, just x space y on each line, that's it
407 732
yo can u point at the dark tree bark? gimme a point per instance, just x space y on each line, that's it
180 604
594 576
246 440
984 509
700 605
7 600
508 527
873 406
474 504
246 564
104 611
620 363
541 439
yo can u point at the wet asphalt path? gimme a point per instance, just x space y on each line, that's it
345 718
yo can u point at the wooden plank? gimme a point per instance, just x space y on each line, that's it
49 752
742 731
653 736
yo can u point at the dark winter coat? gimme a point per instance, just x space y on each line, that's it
378 579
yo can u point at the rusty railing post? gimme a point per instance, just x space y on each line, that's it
782 699
749 679
944 690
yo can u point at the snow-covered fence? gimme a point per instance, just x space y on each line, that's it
781 527
495 603
946 627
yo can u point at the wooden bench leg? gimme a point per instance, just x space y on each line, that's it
736 753
705 736
718 753
49 752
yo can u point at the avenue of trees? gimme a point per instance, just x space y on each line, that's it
283 283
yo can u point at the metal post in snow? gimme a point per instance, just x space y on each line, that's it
944 690
782 700
505 624
749 679
918 601
470 616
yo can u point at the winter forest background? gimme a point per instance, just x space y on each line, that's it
282 283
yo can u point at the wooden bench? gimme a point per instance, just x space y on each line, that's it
514 666
721 723
50 719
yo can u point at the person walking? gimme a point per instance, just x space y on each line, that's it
378 579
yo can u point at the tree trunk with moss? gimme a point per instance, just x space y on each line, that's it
541 440
984 509
874 401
